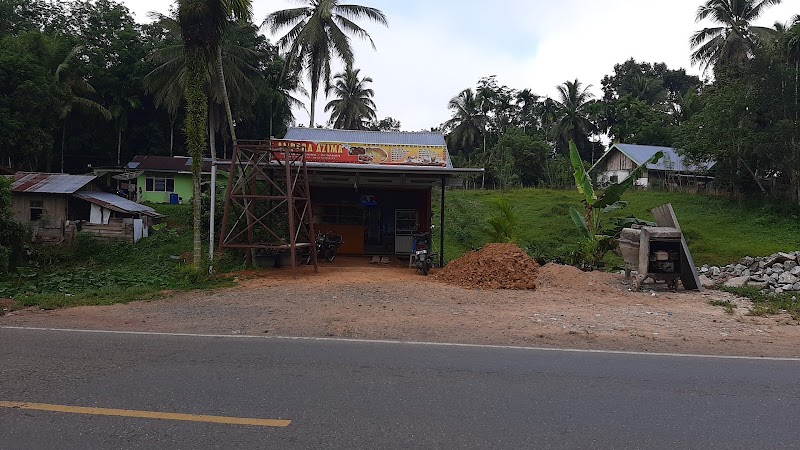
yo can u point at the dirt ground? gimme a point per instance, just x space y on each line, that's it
352 298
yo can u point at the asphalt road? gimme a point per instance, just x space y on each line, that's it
341 394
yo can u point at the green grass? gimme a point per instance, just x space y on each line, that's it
719 230
764 304
93 273
729 306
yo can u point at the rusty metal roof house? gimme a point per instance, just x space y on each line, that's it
59 205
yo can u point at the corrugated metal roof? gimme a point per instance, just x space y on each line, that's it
117 203
435 139
165 163
671 161
49 183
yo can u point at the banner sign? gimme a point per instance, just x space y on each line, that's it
337 152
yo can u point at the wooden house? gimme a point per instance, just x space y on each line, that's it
56 206
671 171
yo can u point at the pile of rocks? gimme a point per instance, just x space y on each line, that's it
778 273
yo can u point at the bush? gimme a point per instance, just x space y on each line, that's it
13 235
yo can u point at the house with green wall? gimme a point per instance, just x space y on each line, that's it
167 179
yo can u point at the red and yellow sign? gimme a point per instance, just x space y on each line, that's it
337 152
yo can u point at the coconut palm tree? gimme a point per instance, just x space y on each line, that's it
468 124
573 123
202 23
734 39
61 60
353 105
317 33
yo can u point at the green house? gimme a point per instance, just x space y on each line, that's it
167 179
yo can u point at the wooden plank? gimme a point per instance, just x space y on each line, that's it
665 217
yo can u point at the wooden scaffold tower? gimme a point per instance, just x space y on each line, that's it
268 202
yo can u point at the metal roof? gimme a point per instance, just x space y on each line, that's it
165 163
385 168
421 138
49 183
116 203
671 161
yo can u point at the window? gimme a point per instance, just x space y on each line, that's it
614 179
37 209
160 184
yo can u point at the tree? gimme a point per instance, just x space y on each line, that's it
29 107
317 33
573 122
203 23
353 106
735 39
63 62
385 124
468 124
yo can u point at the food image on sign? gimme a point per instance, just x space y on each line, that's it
355 153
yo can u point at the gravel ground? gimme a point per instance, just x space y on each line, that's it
354 299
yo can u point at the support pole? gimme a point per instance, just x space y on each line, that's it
211 219
441 225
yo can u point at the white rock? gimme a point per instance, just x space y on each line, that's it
796 271
737 282
787 278
706 282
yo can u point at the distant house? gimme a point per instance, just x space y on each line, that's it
56 206
621 159
163 179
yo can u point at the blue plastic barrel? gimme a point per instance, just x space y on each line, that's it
173 199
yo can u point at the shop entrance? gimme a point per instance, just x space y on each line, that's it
372 221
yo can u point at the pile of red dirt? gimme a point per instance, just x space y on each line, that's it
495 266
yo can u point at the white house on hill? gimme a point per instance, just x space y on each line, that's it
672 170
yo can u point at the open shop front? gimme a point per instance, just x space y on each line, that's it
375 189
372 220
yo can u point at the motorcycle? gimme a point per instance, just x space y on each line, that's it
423 244
327 244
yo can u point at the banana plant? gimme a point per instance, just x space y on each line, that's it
589 223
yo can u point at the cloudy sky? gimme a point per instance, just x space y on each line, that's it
432 50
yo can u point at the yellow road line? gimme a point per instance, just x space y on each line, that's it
146 414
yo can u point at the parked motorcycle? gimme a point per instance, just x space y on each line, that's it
327 244
423 244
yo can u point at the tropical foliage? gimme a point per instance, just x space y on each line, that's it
735 39
317 33
353 107
598 241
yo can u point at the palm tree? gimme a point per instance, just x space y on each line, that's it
468 124
735 39
526 101
573 122
203 23
60 59
353 105
317 32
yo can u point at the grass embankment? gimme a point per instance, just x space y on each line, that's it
93 273
719 231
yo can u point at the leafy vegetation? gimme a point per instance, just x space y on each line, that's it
96 273
718 230
595 240
764 304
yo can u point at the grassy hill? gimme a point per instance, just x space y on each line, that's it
719 231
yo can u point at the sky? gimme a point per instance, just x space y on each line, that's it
434 49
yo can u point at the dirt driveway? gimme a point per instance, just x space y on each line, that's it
354 299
